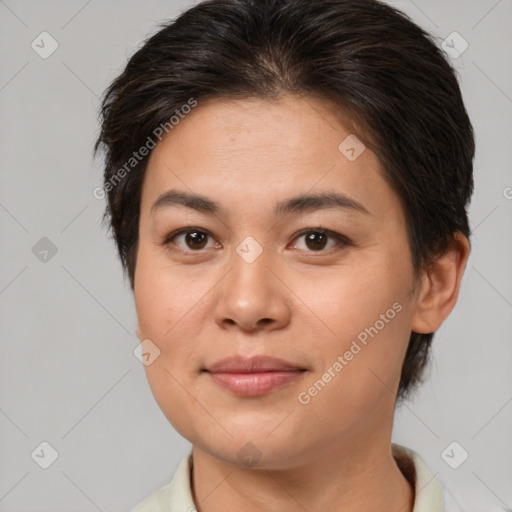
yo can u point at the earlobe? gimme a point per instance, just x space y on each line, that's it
440 286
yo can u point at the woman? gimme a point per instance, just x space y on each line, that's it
287 185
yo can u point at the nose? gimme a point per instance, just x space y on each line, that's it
252 296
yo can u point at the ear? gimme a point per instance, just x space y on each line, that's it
439 289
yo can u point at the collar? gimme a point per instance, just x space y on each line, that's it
428 491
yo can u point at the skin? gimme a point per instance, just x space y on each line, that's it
306 306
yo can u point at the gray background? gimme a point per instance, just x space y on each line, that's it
68 373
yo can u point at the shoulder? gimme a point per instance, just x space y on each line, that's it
176 496
432 493
429 493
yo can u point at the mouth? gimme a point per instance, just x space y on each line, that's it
254 376
254 384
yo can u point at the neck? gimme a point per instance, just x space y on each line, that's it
362 476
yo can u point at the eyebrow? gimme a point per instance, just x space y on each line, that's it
296 204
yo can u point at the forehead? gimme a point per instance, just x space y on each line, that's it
300 127
245 151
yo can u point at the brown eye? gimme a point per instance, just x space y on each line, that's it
192 240
316 240
196 239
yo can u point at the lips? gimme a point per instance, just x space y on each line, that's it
253 376
257 364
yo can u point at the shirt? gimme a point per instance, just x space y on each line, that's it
176 496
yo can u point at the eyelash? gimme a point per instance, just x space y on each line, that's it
342 241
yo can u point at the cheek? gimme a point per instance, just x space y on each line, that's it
164 305
366 313
163 297
350 299
172 312
361 368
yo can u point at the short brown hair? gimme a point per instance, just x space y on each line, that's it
368 58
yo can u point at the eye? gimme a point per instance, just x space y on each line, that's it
316 239
194 239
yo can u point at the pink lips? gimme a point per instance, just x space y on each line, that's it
253 376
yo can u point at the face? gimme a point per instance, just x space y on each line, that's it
324 285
